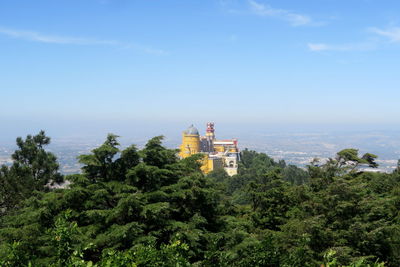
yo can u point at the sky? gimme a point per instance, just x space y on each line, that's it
76 67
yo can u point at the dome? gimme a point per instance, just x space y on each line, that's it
192 130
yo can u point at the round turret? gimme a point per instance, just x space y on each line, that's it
192 130
190 142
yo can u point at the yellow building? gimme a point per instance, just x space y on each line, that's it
190 142
218 154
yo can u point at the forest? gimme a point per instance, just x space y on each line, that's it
146 207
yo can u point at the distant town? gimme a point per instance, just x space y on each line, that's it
295 148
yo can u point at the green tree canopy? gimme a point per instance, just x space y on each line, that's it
146 207
33 168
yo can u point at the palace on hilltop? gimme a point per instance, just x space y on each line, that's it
218 154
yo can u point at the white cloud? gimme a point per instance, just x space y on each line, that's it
38 37
53 39
293 18
319 47
392 33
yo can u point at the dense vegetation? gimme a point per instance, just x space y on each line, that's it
146 207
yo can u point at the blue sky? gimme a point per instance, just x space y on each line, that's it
105 65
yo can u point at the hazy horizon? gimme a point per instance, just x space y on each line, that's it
134 129
296 144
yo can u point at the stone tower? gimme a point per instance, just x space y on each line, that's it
190 142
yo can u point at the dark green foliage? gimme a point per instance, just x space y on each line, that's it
346 161
148 208
31 158
174 254
252 169
100 165
295 175
62 240
269 200
122 201
154 154
33 169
